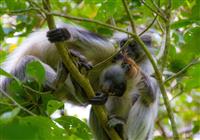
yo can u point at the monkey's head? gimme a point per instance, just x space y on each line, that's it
113 80
134 50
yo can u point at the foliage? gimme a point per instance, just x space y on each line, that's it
19 18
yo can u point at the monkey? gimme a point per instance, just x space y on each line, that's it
39 47
133 113
94 48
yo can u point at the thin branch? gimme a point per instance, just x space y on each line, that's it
158 8
167 39
80 79
16 103
148 27
160 26
164 134
89 20
160 83
35 91
125 3
22 10
194 62
113 55
154 11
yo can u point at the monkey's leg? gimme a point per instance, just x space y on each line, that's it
96 127
62 74
117 123
94 47
20 68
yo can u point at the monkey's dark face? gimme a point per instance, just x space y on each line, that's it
133 50
113 81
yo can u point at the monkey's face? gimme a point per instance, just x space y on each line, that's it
133 50
113 81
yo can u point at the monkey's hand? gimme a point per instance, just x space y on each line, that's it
59 34
99 99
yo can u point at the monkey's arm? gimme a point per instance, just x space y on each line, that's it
142 115
147 89
94 47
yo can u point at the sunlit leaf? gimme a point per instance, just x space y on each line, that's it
36 71
75 126
8 116
32 128
53 105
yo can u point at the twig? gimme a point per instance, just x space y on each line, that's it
154 11
80 79
160 83
157 8
89 20
194 62
113 55
161 129
125 3
15 102
33 90
167 39
148 27
22 10
160 26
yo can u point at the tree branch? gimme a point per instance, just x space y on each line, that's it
80 79
16 103
125 3
149 26
194 62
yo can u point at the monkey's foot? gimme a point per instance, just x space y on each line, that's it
99 99
82 61
59 34
115 121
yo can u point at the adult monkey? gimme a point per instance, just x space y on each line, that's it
133 102
89 45
38 47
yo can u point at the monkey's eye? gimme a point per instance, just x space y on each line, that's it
126 67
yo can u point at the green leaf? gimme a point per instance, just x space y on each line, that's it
15 4
32 128
196 11
9 116
108 9
181 23
93 1
177 3
16 91
192 40
36 71
1 33
4 73
196 126
53 105
76 127
193 80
